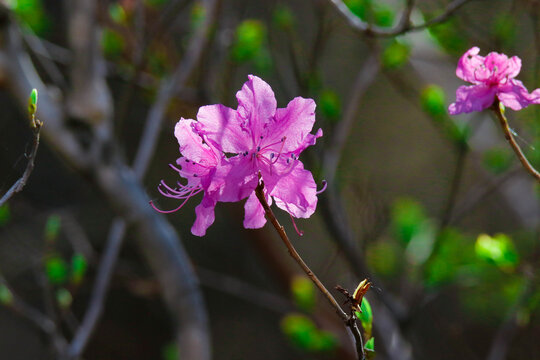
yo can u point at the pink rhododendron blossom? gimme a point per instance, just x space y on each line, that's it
268 141
225 151
492 76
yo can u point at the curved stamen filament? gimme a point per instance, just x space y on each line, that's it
325 185
299 232
168 211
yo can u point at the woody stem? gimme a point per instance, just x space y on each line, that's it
259 191
510 138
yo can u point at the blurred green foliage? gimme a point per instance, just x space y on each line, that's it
433 100
377 13
407 217
384 257
117 13
170 352
32 13
498 250
303 292
449 36
395 55
6 297
155 3
283 17
63 298
304 334
504 28
5 214
56 270
112 43
329 104
498 160
197 15
52 228
78 268
249 40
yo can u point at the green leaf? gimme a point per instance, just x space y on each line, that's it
433 100
32 13
407 218
56 270
359 8
395 55
117 13
383 15
303 292
78 268
366 314
498 250
283 17
330 104
52 228
370 344
5 214
112 43
303 333
497 160
64 298
6 297
249 40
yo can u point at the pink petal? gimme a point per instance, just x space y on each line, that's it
256 105
254 216
472 98
296 192
468 64
309 140
205 216
240 181
191 144
220 124
293 122
515 96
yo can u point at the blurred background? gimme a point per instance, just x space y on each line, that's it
435 210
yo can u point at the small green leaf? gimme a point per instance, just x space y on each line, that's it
6 297
395 55
370 344
64 298
330 104
433 100
112 43
52 228
32 102
250 37
56 270
366 316
498 250
383 15
5 214
359 8
303 292
407 218
283 17
78 268
117 13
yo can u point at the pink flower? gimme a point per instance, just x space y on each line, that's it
266 141
204 167
492 76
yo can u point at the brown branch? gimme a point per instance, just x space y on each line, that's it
21 182
350 322
403 26
510 138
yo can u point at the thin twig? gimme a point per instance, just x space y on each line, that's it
21 182
104 275
404 24
364 79
351 323
510 138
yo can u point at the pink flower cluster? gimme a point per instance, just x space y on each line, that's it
492 77
225 151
